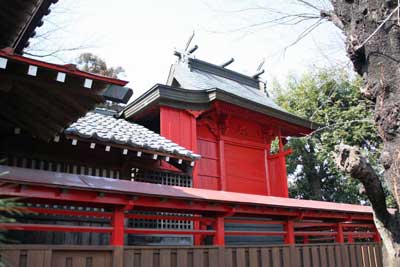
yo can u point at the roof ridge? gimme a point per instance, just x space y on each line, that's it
217 70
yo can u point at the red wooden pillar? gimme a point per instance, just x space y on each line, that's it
222 185
289 237
377 236
350 238
219 238
117 235
196 238
266 153
282 160
340 234
306 240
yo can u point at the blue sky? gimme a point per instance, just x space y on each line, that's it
141 36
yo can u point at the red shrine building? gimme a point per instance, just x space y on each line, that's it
226 117
199 160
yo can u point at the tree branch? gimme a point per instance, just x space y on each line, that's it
350 160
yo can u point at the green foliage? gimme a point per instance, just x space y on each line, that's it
8 207
333 100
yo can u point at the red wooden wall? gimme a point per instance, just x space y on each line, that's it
234 150
179 126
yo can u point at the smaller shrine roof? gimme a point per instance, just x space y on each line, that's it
201 75
106 128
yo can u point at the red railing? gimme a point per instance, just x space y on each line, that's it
306 230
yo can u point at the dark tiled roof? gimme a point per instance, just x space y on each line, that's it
119 131
200 75
44 98
19 20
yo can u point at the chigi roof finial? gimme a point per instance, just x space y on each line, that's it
227 63
260 69
189 41
183 55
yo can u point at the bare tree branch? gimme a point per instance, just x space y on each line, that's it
309 5
56 51
304 33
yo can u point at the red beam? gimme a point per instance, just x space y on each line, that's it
97 214
54 195
53 228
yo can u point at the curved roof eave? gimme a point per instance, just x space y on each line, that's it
184 98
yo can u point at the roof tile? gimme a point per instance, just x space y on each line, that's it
119 131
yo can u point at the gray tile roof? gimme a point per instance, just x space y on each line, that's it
106 128
196 79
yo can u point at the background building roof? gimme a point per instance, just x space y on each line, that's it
43 98
19 19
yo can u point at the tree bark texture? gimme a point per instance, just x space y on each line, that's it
313 176
378 62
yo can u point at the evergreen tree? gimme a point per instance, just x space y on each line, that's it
333 100
94 64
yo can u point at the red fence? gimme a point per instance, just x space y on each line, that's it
292 231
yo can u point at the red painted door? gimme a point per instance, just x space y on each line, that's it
208 169
245 169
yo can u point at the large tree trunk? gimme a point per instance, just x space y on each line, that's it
350 160
378 61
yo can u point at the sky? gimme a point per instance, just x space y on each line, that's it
140 36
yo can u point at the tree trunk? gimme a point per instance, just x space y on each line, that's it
316 190
376 56
312 175
350 160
